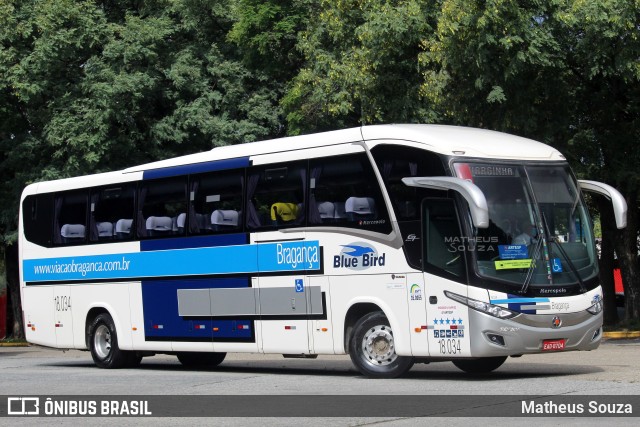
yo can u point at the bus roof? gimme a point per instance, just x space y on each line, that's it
456 141
465 141
450 140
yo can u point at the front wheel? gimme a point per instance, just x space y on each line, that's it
483 365
372 348
103 343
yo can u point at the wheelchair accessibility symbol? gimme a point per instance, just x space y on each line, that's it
557 265
299 285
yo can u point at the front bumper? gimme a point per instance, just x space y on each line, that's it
525 333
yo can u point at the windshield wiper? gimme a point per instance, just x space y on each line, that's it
572 267
532 267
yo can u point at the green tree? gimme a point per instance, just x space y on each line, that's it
361 65
498 64
267 34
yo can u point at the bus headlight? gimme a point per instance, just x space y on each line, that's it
596 305
484 307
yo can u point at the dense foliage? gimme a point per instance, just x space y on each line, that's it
89 86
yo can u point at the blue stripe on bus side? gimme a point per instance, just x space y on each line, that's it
285 257
194 242
161 319
240 162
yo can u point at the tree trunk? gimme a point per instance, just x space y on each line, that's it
609 233
14 310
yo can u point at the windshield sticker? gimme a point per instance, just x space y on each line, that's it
513 264
556 265
513 251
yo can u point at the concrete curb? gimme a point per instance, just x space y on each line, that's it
14 344
620 335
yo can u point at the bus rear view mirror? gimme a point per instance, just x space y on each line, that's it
617 200
471 193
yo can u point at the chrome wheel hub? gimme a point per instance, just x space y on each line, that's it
378 347
102 342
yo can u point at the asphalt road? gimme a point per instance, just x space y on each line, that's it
612 370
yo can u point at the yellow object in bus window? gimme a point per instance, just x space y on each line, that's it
284 211
510 264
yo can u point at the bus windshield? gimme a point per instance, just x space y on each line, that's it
539 232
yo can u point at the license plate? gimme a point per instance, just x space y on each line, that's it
553 345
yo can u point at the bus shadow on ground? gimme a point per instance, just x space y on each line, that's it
520 371
444 371
13 353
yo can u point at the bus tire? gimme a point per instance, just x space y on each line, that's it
482 365
195 359
103 343
372 348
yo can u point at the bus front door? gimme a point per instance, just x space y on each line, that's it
444 271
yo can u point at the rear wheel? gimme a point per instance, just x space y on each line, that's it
103 343
483 365
372 348
195 359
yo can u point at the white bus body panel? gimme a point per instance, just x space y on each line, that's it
63 320
113 298
447 320
287 336
389 294
38 308
417 301
321 331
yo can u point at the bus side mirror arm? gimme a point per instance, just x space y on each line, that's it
471 193
617 199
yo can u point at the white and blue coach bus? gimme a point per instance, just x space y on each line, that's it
395 244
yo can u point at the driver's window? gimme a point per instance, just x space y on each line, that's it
444 248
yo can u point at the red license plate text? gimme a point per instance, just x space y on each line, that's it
553 345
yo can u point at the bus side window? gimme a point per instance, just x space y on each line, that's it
395 162
70 218
37 218
111 213
344 192
443 250
160 204
276 195
216 202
